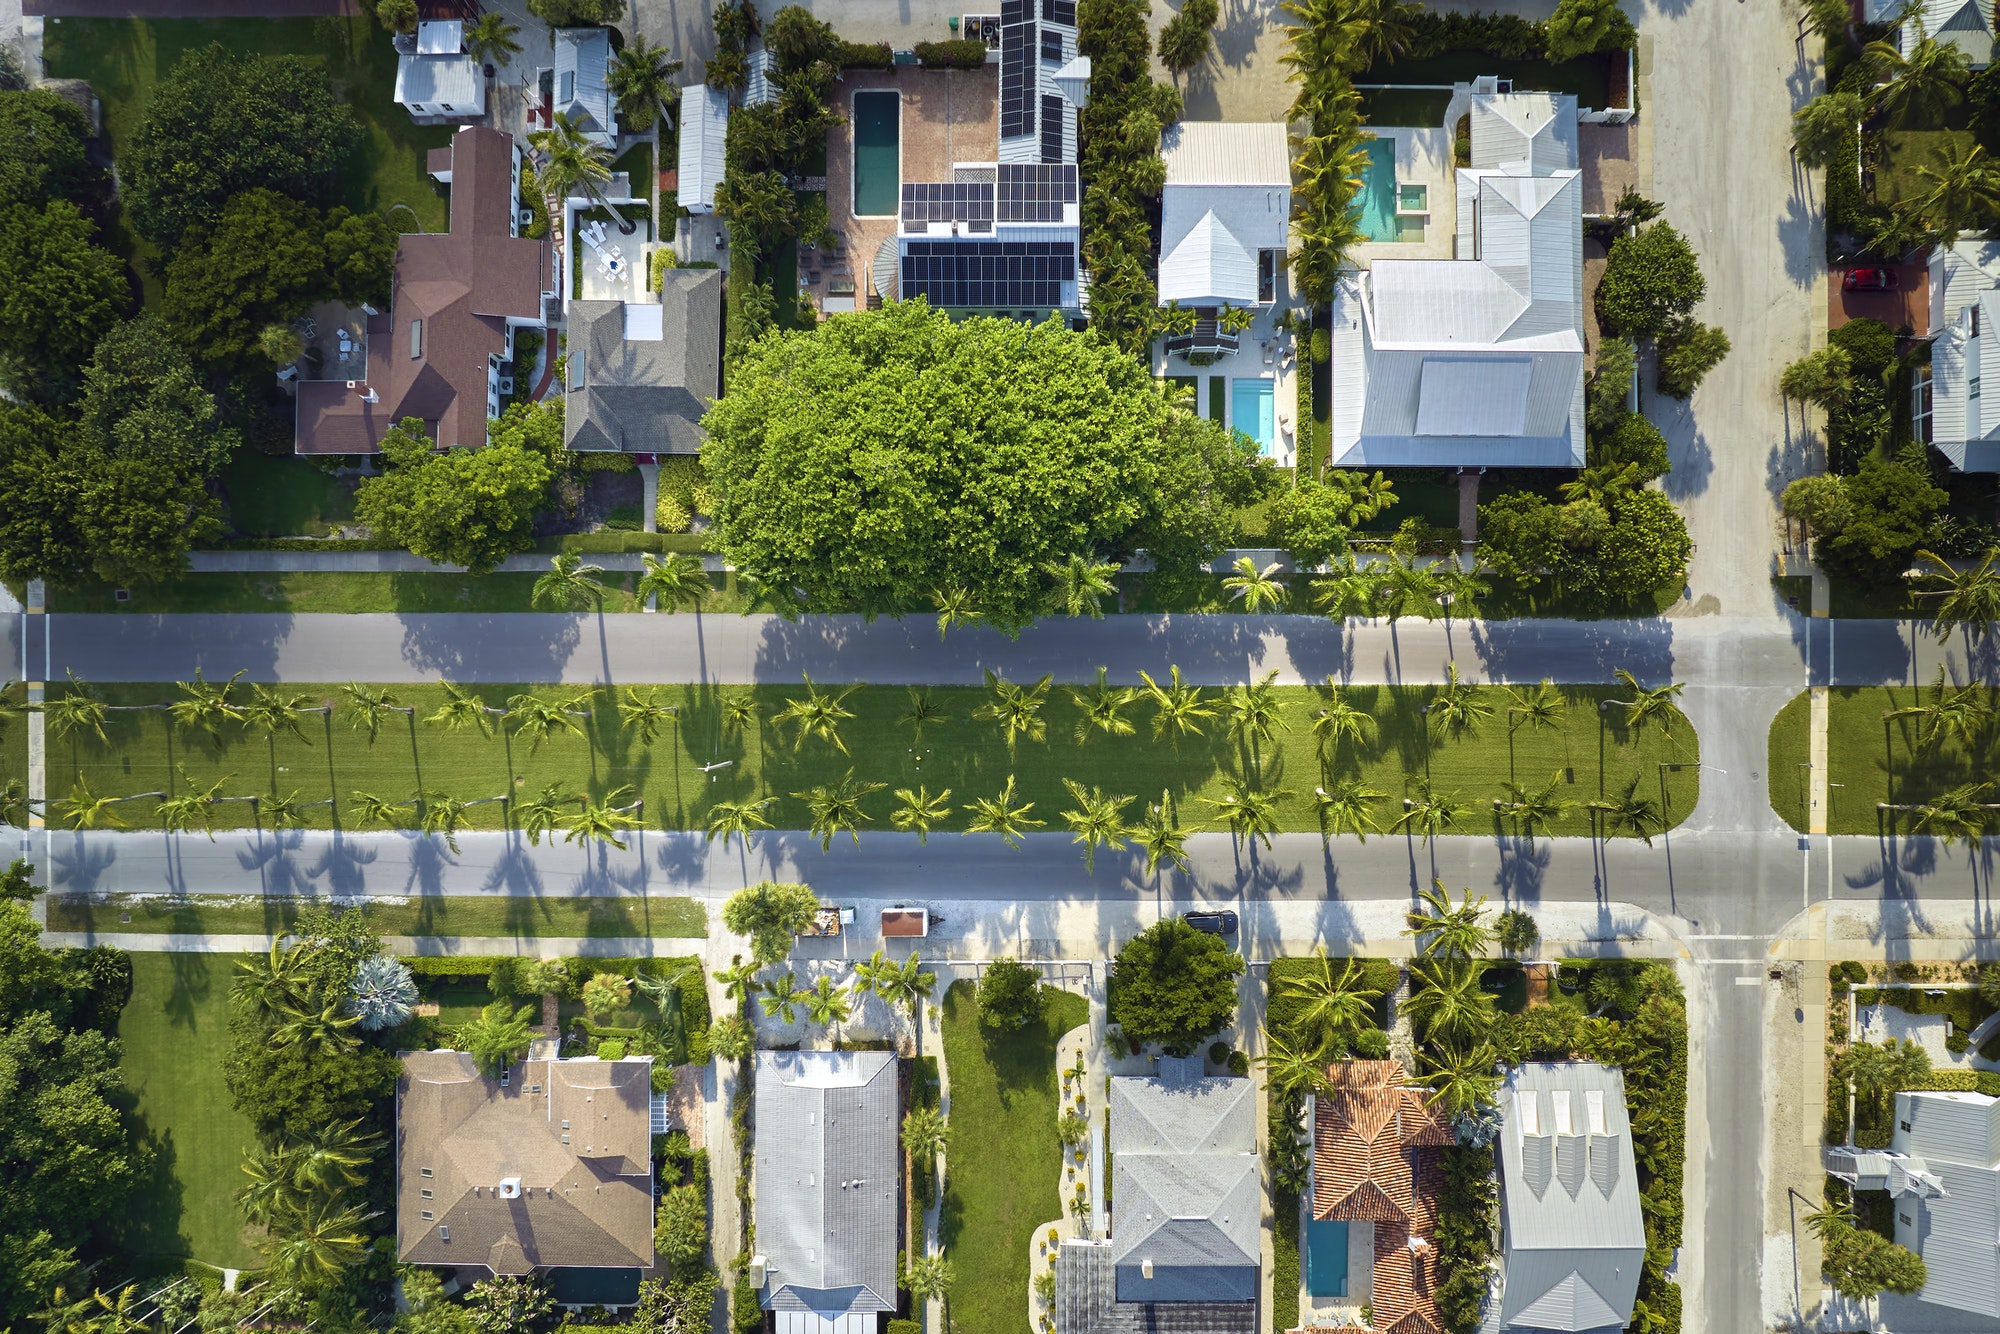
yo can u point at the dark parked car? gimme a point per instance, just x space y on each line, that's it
1220 922
1868 280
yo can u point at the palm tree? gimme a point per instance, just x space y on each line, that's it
1446 1000
573 165
642 709
642 79
1462 1079
276 712
1604 483
195 806
901 985
1919 86
1249 813
461 707
15 807
1455 931
1337 721
836 808
287 812
368 705
955 607
569 585
677 579
827 1004
1252 713
1636 815
1018 709
542 813
490 40
739 980
1457 707
739 711
1407 589
1961 713
818 715
1544 706
1348 590
1179 706
1291 1067
1161 836
1962 188
269 983
1654 706
539 719
322 1029
497 1038
736 819
1430 812
999 815
1332 1007
928 1277
1256 589
925 1133
605 820
441 815
923 712
333 1156
782 997
1101 708
1532 809
82 809
1969 598
273 1187
371 809
205 705
1347 806
76 710
1957 815
1097 820
1081 586
919 810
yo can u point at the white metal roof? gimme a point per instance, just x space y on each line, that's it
1200 152
440 37
1209 266
431 80
583 58
704 138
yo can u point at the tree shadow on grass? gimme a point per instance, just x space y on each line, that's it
152 1223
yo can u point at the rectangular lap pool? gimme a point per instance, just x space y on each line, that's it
1375 205
878 168
1326 1258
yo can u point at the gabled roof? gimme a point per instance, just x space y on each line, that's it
1524 132
827 1179
553 1169
704 136
583 57
642 375
1208 266
1226 153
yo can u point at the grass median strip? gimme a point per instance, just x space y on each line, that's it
729 746
1929 769
435 915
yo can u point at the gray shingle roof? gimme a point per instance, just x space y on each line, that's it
1187 1189
1087 1302
645 394
826 1175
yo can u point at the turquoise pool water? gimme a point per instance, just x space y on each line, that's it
878 133
1326 1258
1375 206
1250 405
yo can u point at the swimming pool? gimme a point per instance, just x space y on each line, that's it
1326 1258
1375 205
878 167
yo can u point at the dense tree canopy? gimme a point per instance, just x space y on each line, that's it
44 150
883 461
1882 515
1651 277
221 123
1174 985
470 507
770 914
59 292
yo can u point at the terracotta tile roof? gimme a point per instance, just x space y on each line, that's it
1371 1163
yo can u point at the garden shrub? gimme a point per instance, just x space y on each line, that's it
963 53
1239 1064
1465 1236
863 55
611 1049
1506 36
452 965
1370 1044
1636 440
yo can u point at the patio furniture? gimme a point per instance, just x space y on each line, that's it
590 241
345 343
307 329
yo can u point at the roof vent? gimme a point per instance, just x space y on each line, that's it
510 1188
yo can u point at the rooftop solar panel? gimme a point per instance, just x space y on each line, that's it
988 275
1018 69
1052 130
947 201
1059 11
1031 193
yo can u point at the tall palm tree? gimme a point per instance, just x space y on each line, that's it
1957 815
82 809
371 809
1332 1006
782 997
543 813
1407 589
1256 589
1081 585
1252 713
604 820
1101 708
1544 706
441 815
273 1187
643 711
1292 1066
270 983
1347 590
819 715
1968 598
641 77
194 807
276 712
923 712
1179 707
1629 811
75 710
1249 812
1655 706
1462 1079
1534 808
462 708
1000 815
1446 1001
955 607
574 166
901 985
1017 708
334 1156
826 1003
736 819
570 585
1962 713
1919 86
1161 836
1337 721
315 1027
497 1038
287 812
1348 805
836 808
368 705
677 579
1430 812
1457 707
1448 930
539 719
916 809
1097 819
490 40
15 807
739 980
205 705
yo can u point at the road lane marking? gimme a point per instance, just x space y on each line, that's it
1748 981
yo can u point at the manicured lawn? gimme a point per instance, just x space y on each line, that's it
1874 759
1005 1160
287 497
1589 77
1906 153
1422 107
175 1030
466 915
326 591
1592 751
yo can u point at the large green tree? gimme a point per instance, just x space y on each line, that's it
1174 985
1890 507
221 123
1651 277
59 292
44 150
770 914
470 507
881 462
262 262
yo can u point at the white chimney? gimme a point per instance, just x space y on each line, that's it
510 1188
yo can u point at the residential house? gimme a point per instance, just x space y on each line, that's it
1942 1171
1376 1170
1965 24
1187 1201
1950 411
580 90
1225 218
550 1165
435 78
1573 1241
827 1178
441 351
642 373
704 138
1476 361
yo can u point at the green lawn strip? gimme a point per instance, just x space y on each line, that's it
437 915
345 591
1589 77
1906 154
1873 760
288 497
1001 1180
175 1030
1595 754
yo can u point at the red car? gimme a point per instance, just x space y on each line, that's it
1868 280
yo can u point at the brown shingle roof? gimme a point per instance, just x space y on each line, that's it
504 1189
461 287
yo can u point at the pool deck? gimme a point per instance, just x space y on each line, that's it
1423 157
947 116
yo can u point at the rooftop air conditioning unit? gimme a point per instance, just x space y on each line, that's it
527 217
506 384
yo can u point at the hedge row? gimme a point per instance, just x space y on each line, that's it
963 53
867 55
1376 974
1284 1260
694 983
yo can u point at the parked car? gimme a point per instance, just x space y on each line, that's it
1868 280
1217 922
